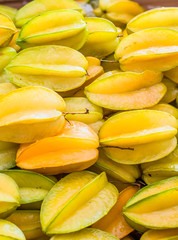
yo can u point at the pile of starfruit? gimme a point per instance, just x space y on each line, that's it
88 121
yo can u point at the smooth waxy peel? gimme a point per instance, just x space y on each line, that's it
161 169
9 11
78 191
37 7
166 108
7 30
151 203
102 39
120 12
155 18
7 155
6 55
114 221
33 187
29 223
61 27
9 196
126 90
31 113
158 54
74 149
9 231
121 172
172 91
56 67
6 88
85 234
80 109
171 234
172 74
127 142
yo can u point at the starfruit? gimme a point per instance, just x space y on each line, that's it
7 30
9 231
9 196
7 155
139 136
172 91
74 149
109 63
6 55
126 90
161 169
60 27
77 201
37 7
102 39
121 172
120 12
96 125
155 18
30 113
154 49
172 74
9 11
28 221
85 234
170 234
80 109
33 187
154 206
93 72
13 43
114 221
57 67
6 88
166 108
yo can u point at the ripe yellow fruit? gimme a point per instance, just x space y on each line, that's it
9 230
154 49
57 67
30 113
77 201
102 39
60 27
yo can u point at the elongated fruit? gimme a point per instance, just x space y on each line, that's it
77 201
57 67
9 231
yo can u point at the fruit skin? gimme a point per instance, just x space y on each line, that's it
13 41
37 7
171 234
159 54
96 125
30 113
74 149
85 234
120 141
166 108
7 30
48 66
161 169
9 11
121 172
84 198
126 90
172 74
102 39
114 222
154 18
10 231
81 105
8 155
9 196
6 88
28 221
54 28
6 55
151 202
172 91
120 12
33 187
